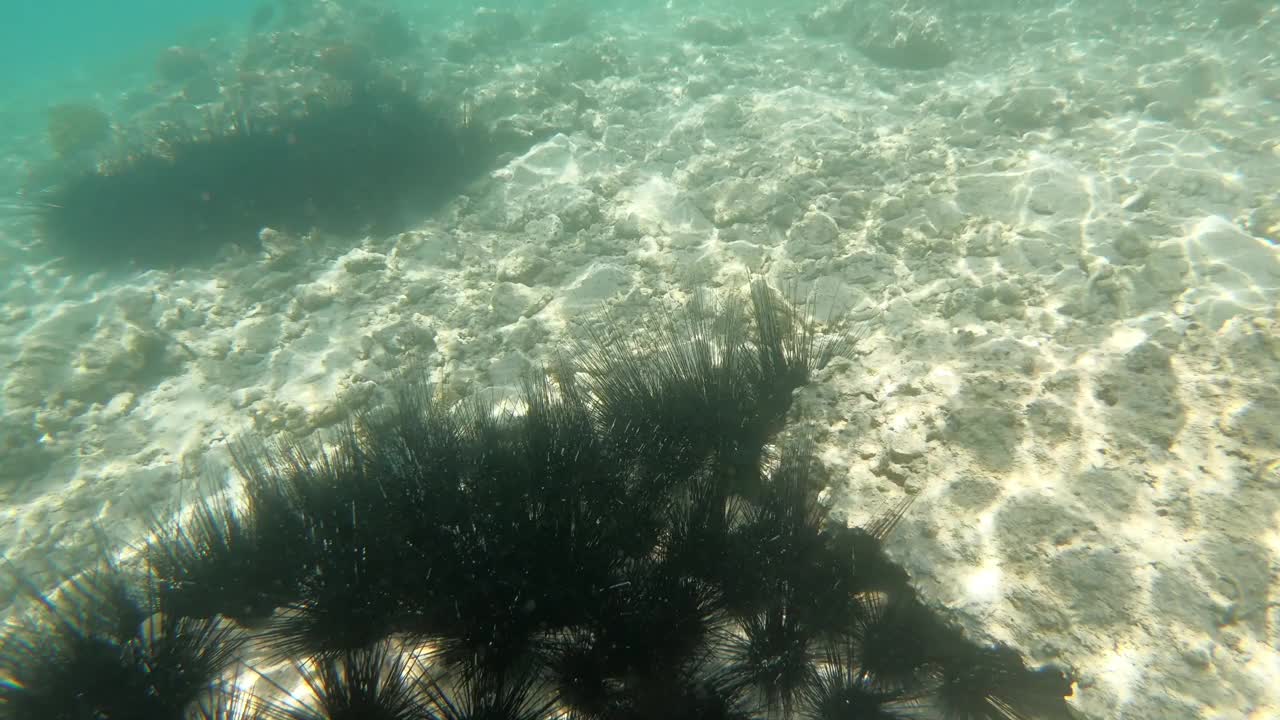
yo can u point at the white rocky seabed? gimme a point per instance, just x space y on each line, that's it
1074 348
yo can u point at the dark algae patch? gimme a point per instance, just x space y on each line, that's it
372 160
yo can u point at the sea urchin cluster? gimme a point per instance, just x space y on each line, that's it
629 543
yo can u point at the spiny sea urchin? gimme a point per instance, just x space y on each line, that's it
623 546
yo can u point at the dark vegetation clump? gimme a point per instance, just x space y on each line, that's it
328 118
76 128
630 543
391 33
376 159
178 63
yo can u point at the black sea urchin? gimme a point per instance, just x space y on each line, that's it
98 648
626 541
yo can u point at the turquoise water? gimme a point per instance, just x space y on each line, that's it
57 45
66 50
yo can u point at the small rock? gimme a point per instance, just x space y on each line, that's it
521 265
1027 108
815 236
712 31
359 261
908 41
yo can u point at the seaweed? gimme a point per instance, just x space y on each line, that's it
375 159
75 128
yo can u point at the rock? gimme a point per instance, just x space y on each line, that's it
521 265
598 284
1236 273
512 301
833 19
1264 221
736 200
1240 13
1098 584
1141 392
907 41
496 29
1028 526
563 21
972 493
178 64
815 236
1025 109
358 262
715 31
